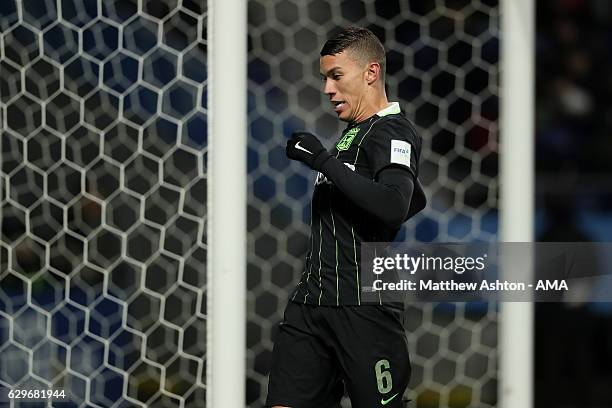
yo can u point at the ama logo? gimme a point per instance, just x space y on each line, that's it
545 284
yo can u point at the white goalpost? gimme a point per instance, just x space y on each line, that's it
226 270
517 194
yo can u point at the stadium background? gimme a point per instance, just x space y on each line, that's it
103 188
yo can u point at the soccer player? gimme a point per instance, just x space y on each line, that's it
365 189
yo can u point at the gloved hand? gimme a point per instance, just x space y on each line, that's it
305 147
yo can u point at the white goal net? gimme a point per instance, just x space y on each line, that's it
103 191
102 183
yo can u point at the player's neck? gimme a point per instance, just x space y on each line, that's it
374 104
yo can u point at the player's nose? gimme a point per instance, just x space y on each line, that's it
328 88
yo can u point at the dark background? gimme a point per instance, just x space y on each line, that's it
574 191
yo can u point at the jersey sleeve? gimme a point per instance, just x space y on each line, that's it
393 144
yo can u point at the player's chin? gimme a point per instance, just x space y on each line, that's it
344 115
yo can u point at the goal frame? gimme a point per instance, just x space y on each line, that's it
515 335
226 206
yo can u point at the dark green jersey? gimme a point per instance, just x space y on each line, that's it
338 226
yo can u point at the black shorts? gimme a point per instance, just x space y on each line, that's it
319 350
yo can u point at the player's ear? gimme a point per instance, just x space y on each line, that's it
372 72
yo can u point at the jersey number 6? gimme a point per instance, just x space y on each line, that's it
383 376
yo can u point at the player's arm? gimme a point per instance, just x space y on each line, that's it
387 198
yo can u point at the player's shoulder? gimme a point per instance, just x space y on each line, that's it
398 127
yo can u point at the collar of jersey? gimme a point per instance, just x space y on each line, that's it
392 108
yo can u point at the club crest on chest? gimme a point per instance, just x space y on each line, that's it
347 139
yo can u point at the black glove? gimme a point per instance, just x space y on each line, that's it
305 147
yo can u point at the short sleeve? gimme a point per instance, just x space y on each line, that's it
396 144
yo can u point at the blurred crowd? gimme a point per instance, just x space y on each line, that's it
574 99
574 191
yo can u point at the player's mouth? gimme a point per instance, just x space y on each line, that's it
338 106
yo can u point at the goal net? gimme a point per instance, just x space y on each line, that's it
442 65
102 183
103 191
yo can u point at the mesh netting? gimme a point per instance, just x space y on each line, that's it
102 189
442 65
102 255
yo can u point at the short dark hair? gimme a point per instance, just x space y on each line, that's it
361 41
